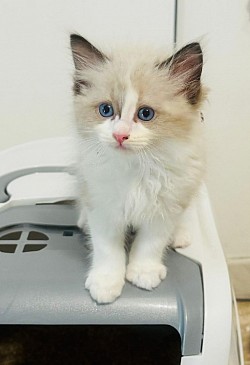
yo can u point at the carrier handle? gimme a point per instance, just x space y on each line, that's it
47 155
6 179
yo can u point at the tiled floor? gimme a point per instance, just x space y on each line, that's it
244 313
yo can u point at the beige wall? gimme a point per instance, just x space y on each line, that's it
224 27
36 64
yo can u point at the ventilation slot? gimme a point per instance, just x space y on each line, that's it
37 236
9 248
13 236
33 247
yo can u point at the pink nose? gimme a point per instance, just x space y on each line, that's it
120 137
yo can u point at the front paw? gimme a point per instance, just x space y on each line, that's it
146 276
104 287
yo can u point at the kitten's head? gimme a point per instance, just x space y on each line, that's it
133 99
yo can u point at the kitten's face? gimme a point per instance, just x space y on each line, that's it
131 100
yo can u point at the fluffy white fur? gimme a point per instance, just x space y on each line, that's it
149 180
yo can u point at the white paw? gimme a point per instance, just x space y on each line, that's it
103 287
182 239
146 276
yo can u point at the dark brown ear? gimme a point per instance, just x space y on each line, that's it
186 66
84 53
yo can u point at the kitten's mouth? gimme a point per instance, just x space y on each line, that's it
121 147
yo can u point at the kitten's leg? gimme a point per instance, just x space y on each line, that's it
106 277
182 236
145 268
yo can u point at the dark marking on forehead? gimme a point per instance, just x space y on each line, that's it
117 95
79 85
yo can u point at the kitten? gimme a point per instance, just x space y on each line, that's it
137 117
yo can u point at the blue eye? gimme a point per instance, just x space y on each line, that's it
106 110
146 114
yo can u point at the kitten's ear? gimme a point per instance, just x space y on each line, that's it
186 66
84 53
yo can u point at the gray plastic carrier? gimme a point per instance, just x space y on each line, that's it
44 259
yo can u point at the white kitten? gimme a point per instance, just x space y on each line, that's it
140 156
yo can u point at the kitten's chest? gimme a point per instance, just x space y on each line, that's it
151 194
134 191
112 182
